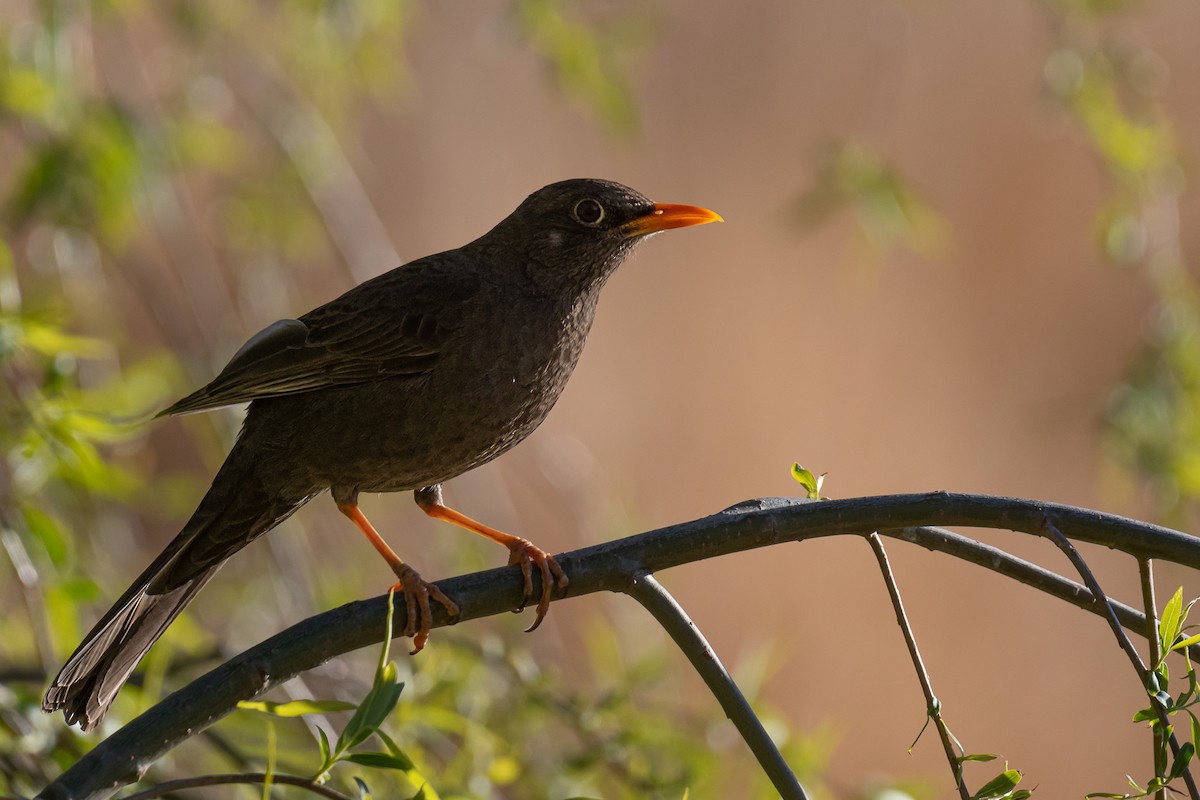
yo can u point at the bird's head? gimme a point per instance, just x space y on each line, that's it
580 230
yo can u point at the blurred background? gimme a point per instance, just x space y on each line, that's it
954 258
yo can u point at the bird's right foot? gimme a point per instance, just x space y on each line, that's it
419 614
528 555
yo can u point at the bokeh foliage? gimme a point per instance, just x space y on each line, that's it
136 137
1108 80
1111 81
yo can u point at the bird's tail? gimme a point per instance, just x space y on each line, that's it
236 510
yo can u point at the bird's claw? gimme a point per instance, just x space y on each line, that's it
526 554
419 615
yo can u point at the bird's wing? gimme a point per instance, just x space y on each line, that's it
391 326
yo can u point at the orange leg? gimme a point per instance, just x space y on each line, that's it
521 551
417 591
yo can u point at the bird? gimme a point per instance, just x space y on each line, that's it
401 384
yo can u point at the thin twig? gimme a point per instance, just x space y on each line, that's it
940 540
932 705
1085 572
674 620
1089 578
249 778
1146 576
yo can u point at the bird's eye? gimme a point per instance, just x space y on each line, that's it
588 211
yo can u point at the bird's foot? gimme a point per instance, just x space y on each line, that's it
417 592
526 554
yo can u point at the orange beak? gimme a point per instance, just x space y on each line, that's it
666 216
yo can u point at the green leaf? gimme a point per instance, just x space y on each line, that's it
375 708
1144 715
1180 764
380 761
392 747
1185 643
379 702
1171 621
998 786
296 708
326 753
810 482
978 757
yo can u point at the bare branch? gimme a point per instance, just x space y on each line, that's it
1123 640
1146 576
934 708
1040 578
675 621
611 566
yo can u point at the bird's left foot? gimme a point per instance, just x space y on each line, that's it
417 593
526 554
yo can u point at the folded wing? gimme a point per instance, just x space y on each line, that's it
392 329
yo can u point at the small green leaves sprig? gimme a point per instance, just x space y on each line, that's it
811 483
1001 787
1172 630
367 720
1004 785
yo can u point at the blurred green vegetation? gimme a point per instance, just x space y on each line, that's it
1110 81
1107 79
886 208
119 119
482 718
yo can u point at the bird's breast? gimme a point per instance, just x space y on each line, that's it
519 371
493 384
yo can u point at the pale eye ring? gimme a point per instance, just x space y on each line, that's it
588 211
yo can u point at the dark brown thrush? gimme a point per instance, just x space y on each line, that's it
403 382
